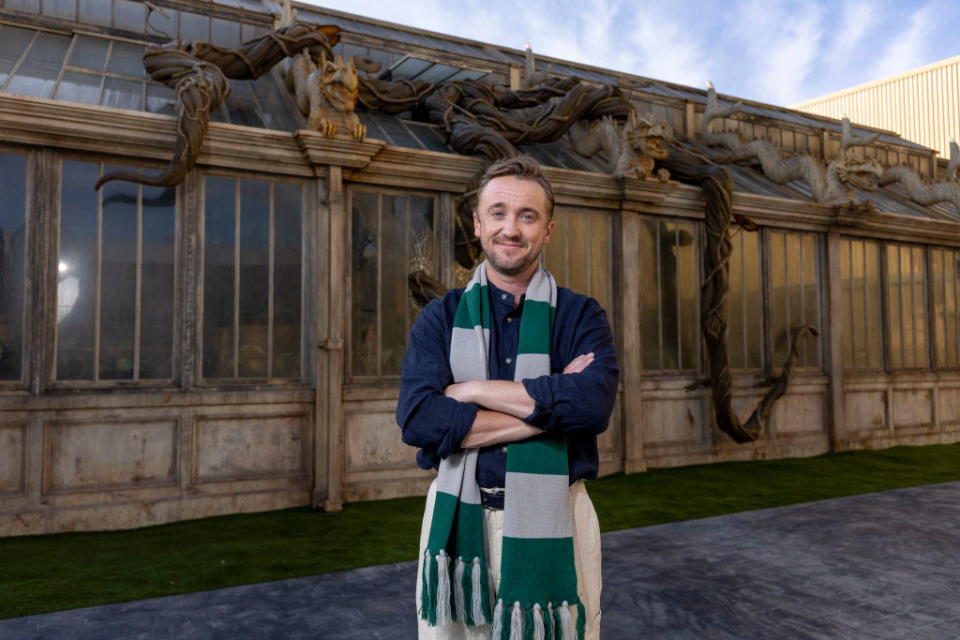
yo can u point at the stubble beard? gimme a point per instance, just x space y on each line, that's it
521 265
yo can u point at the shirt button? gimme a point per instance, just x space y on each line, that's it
503 296
504 449
509 360
509 320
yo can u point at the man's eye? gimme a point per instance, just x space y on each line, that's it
528 217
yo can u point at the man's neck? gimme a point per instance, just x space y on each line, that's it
514 285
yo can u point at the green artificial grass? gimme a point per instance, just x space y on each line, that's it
54 572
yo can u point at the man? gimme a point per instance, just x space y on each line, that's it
510 539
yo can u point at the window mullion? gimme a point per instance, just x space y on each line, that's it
138 287
379 305
98 298
679 319
657 241
270 280
236 279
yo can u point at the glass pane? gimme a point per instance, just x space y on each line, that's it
39 72
13 176
161 99
118 278
753 300
810 351
648 256
394 290
848 287
164 25
225 33
194 27
218 277
287 285
240 105
600 252
77 266
123 94
364 258
27 6
79 87
277 111
89 53
918 299
871 296
157 285
13 42
65 9
254 277
894 310
94 12
779 322
688 297
736 334
129 15
576 258
127 59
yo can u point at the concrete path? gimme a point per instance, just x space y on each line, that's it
878 566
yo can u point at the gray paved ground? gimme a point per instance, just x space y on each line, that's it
879 566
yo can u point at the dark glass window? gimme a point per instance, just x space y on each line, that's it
13 176
391 235
252 279
115 246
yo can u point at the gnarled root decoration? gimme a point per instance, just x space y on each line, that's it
198 72
694 169
927 194
829 184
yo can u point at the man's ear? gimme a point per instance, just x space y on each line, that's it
476 224
548 231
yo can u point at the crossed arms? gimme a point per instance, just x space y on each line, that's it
503 404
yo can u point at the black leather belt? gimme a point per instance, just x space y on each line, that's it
491 498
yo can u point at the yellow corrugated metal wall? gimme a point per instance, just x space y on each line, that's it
922 105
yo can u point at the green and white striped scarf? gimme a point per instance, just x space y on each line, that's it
538 579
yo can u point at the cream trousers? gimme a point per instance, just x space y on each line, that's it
586 544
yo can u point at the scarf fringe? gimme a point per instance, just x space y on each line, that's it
538 622
454 590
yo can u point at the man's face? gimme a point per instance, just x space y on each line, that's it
513 223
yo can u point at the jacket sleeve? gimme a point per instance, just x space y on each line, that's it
579 402
428 419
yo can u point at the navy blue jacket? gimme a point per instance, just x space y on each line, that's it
577 405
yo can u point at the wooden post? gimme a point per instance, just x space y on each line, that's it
321 419
631 357
835 336
333 344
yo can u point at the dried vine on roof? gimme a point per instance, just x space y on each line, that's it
198 72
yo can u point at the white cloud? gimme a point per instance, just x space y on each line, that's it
908 49
780 43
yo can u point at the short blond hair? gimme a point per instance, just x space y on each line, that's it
522 167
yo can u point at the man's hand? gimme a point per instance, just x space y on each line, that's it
579 363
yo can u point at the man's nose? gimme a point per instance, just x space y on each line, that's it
510 226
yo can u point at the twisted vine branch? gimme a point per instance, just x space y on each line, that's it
717 185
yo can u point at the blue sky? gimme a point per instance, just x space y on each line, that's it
776 51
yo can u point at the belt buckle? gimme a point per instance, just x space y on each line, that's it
492 498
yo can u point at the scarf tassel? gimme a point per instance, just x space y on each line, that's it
454 591
554 623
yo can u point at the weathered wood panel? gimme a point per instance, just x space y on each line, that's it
949 406
109 454
372 438
912 408
243 447
12 457
865 410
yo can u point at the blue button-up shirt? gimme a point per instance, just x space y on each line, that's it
576 405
